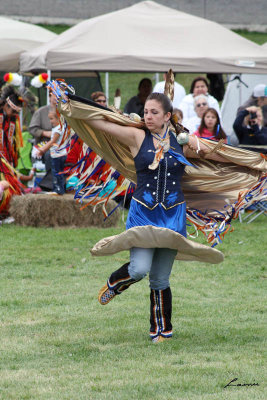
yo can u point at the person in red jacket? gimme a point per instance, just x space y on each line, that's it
210 126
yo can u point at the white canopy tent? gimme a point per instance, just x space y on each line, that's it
17 37
147 37
239 89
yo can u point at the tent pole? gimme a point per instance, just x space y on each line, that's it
22 86
240 93
156 77
107 85
47 91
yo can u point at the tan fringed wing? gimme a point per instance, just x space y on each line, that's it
169 85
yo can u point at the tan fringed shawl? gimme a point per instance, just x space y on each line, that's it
209 187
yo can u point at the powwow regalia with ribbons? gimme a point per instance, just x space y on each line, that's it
155 229
10 143
214 192
10 129
9 174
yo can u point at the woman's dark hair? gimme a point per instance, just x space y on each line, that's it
95 95
163 100
143 81
218 132
197 79
167 107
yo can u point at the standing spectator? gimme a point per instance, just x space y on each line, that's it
258 99
248 127
57 159
136 103
210 126
198 86
200 106
179 90
216 86
40 126
41 129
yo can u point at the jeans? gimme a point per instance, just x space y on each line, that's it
57 165
158 262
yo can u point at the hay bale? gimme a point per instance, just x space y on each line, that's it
53 211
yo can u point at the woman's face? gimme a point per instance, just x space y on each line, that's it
154 115
210 120
101 100
200 88
201 106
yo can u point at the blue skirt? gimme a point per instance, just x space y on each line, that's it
174 218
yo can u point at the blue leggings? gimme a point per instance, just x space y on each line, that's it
158 262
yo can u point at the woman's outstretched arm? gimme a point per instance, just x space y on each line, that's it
197 149
131 136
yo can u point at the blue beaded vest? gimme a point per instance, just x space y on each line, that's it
162 185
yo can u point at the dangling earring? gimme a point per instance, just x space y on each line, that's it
162 126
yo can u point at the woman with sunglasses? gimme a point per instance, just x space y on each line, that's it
201 104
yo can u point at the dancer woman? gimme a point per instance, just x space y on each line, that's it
158 201
150 154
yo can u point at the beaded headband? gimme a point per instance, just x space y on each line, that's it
12 105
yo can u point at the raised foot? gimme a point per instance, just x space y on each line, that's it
105 295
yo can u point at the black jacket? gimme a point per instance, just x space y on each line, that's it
253 135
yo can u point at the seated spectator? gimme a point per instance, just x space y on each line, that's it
179 90
248 127
99 98
258 99
198 86
200 106
210 126
179 114
136 103
57 160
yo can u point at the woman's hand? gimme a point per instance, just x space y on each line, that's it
198 149
252 109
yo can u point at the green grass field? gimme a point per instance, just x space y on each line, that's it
58 342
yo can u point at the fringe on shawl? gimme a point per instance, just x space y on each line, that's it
99 182
215 228
8 173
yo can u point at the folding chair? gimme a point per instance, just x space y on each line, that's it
260 208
